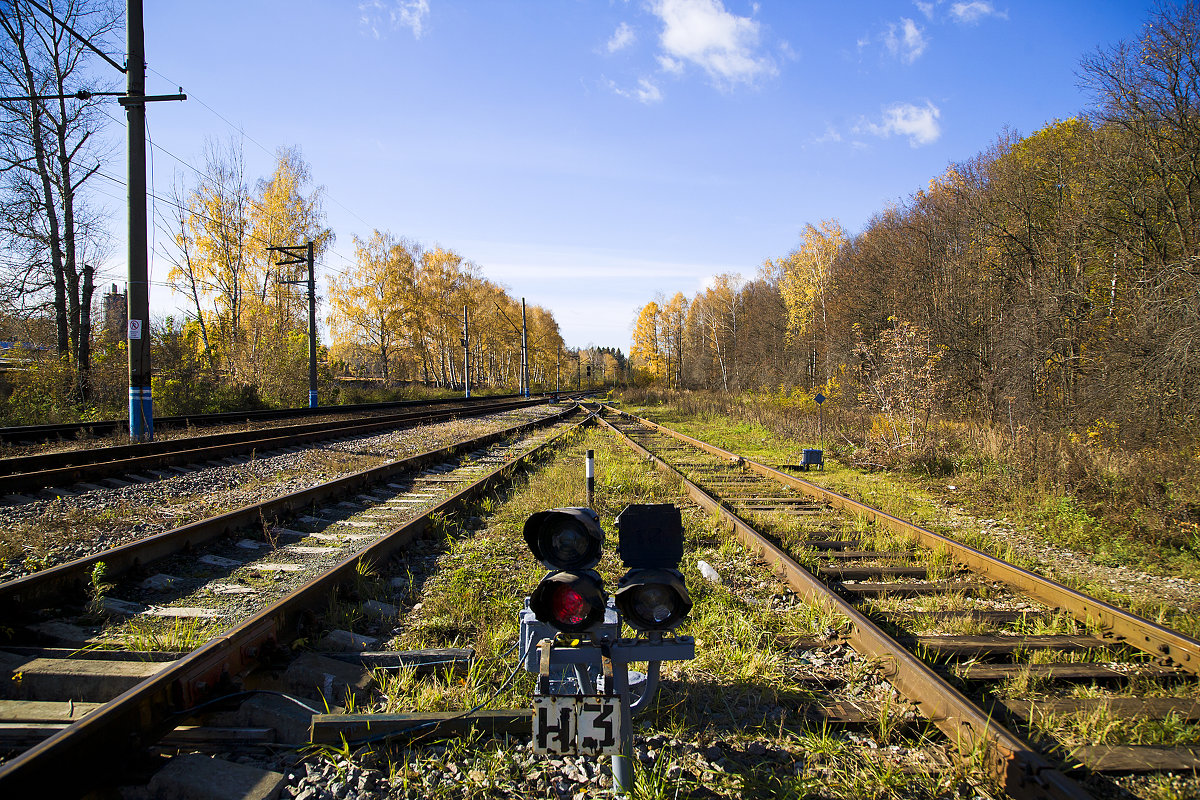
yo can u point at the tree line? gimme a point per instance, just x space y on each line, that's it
1051 280
399 314
395 313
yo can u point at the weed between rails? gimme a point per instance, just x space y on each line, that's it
1039 511
731 723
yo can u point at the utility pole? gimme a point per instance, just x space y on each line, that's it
304 255
141 403
524 349
466 343
134 99
558 371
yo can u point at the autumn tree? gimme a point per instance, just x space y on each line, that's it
646 351
253 326
373 303
900 380
671 329
1147 95
49 155
714 317
804 286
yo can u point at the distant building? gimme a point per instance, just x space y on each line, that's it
17 356
116 313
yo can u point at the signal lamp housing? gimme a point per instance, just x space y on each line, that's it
652 595
650 535
570 601
653 599
565 538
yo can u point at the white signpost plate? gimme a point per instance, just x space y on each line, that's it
577 724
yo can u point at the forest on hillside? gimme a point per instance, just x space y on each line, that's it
1050 281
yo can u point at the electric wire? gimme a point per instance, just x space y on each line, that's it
156 215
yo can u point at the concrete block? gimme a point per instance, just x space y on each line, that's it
315 676
374 608
184 612
87 680
62 632
124 608
218 561
287 532
348 642
267 566
231 588
290 721
160 582
199 777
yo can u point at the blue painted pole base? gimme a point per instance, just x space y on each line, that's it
312 398
141 414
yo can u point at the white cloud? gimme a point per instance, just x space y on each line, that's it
671 65
380 16
907 43
830 136
621 38
646 92
924 8
703 33
971 12
919 124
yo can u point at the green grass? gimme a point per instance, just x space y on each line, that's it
1049 516
738 691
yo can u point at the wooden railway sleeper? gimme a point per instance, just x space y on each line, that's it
1023 772
101 742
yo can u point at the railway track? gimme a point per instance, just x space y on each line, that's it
32 473
87 680
67 431
986 651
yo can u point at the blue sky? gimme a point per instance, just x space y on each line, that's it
588 154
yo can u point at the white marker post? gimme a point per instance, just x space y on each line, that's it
591 478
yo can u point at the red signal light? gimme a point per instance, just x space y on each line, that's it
567 605
569 601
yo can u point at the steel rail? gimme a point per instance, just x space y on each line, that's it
1168 647
83 465
1022 771
69 430
65 458
65 582
93 749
